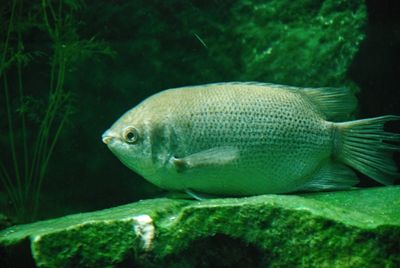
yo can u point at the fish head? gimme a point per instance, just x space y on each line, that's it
128 139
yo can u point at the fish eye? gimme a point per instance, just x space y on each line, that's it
131 135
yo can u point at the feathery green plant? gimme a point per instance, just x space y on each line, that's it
33 123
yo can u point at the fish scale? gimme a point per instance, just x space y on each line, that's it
252 123
252 138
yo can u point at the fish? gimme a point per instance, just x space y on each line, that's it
253 138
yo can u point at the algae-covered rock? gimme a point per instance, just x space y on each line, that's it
359 228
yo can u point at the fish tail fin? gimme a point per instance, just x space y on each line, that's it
367 147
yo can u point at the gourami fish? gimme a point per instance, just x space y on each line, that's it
237 139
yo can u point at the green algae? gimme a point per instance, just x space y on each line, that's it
163 206
307 43
332 229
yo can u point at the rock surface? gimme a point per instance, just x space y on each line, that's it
359 228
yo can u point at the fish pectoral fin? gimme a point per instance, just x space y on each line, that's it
331 176
217 156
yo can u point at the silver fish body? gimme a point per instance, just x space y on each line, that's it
250 138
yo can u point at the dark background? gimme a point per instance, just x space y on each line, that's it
376 67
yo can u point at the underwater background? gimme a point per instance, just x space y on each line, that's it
69 69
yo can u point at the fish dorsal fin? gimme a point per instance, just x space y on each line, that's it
337 104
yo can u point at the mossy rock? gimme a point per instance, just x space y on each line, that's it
359 228
307 43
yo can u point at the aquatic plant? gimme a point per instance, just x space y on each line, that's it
34 118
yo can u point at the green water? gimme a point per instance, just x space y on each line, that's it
69 69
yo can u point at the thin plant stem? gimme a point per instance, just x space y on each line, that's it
46 19
7 182
31 152
21 100
46 161
42 152
24 134
57 98
23 127
41 138
6 42
11 137
13 193
44 129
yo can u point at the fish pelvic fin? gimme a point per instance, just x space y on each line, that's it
199 196
337 104
211 157
367 147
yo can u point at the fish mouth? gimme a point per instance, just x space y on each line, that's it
108 137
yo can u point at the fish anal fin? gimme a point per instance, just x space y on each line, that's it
331 176
217 156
